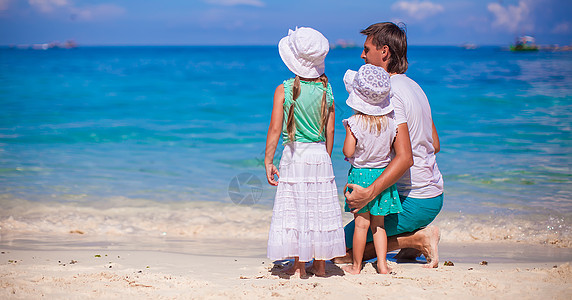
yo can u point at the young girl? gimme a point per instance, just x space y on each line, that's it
306 219
368 145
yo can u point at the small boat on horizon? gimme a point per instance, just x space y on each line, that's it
469 46
69 44
343 44
524 43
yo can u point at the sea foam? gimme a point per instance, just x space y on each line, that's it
121 218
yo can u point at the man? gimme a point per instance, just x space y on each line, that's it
414 168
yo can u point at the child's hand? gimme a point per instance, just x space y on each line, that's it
270 171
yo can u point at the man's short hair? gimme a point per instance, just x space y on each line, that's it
395 38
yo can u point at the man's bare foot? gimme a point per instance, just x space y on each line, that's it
431 237
382 267
408 254
297 268
318 268
352 269
346 259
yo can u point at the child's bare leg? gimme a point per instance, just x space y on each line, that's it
360 235
380 242
319 267
298 267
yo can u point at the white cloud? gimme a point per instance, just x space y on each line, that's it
563 27
236 2
101 11
514 18
84 13
47 6
418 10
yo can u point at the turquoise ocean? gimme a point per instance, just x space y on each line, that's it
95 126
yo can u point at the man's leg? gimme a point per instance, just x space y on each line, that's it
424 240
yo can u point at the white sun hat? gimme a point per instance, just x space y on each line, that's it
303 51
369 90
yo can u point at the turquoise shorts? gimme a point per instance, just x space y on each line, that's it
417 213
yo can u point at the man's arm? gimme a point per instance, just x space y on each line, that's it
402 161
436 143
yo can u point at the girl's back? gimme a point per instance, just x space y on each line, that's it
373 148
307 110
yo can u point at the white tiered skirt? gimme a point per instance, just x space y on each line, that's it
306 219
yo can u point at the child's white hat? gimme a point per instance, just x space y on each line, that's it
369 90
303 51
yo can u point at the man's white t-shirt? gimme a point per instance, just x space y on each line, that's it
423 180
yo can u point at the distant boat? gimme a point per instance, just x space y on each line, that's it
69 44
343 44
524 43
469 46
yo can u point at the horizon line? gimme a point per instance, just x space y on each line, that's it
10 45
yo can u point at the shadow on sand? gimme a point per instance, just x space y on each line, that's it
280 267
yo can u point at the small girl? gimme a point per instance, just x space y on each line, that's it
306 219
370 133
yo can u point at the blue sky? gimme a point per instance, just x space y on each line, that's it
264 22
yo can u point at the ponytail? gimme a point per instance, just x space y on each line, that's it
324 110
290 123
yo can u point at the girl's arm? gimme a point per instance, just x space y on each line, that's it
436 143
402 161
349 143
273 136
330 129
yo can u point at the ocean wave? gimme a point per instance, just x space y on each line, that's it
123 217
539 228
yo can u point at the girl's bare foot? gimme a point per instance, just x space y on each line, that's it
352 269
318 268
298 267
382 267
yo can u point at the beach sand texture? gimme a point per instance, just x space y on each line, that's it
141 251
162 275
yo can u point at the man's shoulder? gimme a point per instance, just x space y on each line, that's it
399 81
401 84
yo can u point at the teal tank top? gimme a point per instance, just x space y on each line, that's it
306 110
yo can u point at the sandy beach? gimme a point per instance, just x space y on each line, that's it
75 252
127 274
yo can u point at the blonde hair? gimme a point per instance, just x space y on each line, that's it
290 123
374 124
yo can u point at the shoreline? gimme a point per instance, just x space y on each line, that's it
462 252
133 220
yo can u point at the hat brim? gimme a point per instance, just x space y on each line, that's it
289 59
349 79
358 104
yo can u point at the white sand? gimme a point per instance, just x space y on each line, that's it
212 251
129 274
